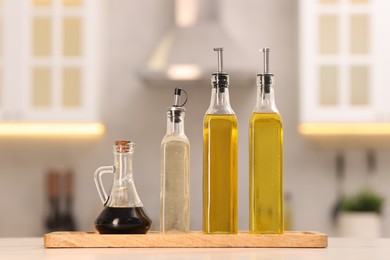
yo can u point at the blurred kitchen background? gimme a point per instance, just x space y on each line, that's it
116 63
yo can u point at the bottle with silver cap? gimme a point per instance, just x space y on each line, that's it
265 158
175 171
220 158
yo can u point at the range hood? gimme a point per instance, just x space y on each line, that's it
185 53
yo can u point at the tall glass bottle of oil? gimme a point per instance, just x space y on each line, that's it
266 158
220 139
175 171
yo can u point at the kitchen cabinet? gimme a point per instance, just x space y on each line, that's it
343 65
49 60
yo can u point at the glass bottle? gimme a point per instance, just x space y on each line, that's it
266 158
54 219
220 138
175 172
123 212
68 218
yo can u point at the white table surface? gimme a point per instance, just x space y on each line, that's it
338 248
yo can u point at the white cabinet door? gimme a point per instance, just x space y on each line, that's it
341 61
50 62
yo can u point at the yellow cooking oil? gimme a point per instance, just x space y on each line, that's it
220 205
266 173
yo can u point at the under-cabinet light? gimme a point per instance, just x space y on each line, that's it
184 72
51 129
347 129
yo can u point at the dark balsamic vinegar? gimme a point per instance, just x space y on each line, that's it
123 221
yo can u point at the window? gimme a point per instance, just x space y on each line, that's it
341 78
51 52
344 82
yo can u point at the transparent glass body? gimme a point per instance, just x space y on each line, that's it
175 176
220 162
123 212
266 165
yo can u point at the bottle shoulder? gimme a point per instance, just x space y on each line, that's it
224 117
265 107
220 122
216 110
177 138
266 117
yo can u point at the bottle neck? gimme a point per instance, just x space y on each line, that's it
123 163
265 102
175 125
220 101
123 192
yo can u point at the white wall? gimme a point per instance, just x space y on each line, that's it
135 111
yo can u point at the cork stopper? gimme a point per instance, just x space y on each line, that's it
123 146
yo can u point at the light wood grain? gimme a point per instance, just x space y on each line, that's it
192 239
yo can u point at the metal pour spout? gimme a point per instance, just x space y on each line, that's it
220 79
265 60
177 95
265 80
219 51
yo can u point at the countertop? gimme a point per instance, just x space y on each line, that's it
339 248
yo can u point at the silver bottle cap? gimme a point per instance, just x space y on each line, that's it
266 79
220 78
177 110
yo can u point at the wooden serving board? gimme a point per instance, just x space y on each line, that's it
187 240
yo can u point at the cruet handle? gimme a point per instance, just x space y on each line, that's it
98 181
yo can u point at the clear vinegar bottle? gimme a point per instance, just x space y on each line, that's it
123 211
266 159
220 138
175 172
